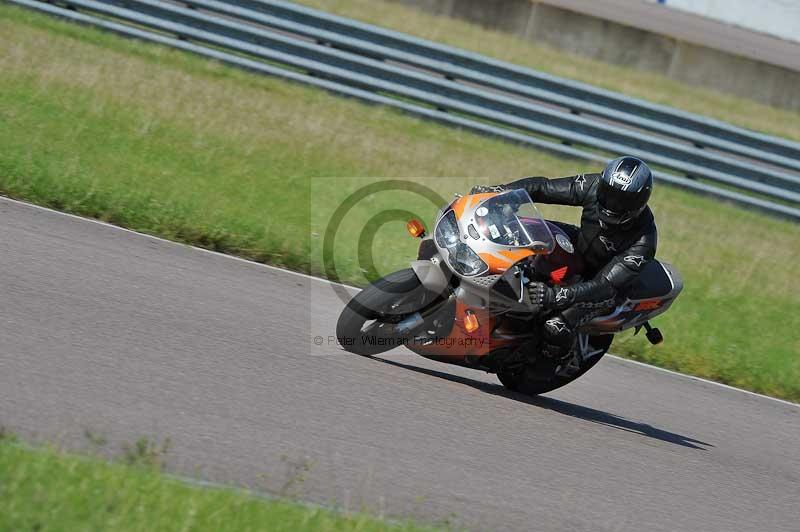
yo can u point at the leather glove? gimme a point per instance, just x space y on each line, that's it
480 189
543 297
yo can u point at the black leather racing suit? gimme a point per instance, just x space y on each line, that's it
613 256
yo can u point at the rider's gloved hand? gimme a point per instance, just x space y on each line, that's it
480 189
543 297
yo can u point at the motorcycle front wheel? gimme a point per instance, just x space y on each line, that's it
367 325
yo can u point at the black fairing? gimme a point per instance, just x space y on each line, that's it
653 282
544 265
427 249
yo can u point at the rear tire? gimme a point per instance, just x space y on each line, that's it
386 301
538 378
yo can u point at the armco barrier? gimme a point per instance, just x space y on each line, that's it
462 89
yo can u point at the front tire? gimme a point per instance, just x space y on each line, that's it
366 325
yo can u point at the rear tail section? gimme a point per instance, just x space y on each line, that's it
649 296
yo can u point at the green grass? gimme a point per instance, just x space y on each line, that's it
650 86
44 489
170 144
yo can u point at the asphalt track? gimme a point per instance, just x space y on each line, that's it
124 336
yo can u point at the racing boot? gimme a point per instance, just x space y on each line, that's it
559 344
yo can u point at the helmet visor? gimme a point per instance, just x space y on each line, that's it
613 199
619 206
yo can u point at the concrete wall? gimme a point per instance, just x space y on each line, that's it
775 17
613 42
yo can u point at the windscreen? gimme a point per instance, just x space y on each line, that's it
512 219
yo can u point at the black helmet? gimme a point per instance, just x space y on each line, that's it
623 190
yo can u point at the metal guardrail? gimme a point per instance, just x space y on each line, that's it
462 89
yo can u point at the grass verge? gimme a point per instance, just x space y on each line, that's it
170 144
647 85
44 489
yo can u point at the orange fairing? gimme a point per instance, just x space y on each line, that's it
467 202
465 340
500 261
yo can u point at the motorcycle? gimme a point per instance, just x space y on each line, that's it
465 299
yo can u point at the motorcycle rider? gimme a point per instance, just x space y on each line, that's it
617 237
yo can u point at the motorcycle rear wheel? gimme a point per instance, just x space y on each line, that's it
538 379
364 322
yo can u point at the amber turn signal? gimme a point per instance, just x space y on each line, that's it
415 228
471 322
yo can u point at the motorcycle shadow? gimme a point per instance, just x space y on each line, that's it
562 407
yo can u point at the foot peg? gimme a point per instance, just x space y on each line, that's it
568 368
654 335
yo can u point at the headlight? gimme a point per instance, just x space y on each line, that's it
446 233
465 261
462 259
